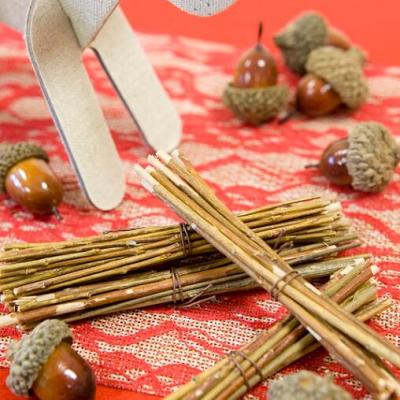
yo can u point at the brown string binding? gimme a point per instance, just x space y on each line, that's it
279 239
286 279
285 246
185 239
237 365
176 285
253 363
200 301
196 300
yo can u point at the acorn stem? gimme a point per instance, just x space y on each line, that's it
308 166
286 115
57 214
260 33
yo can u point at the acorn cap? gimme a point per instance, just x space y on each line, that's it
300 37
342 70
12 154
306 385
372 156
256 105
358 54
28 355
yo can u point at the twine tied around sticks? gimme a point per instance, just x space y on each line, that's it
185 239
278 239
278 245
177 289
242 372
176 285
196 300
285 246
285 279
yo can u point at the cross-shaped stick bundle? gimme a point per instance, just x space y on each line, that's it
174 180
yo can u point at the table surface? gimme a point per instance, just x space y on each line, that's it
246 166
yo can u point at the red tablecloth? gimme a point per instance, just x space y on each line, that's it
154 351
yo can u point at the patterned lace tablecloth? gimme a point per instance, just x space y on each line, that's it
155 350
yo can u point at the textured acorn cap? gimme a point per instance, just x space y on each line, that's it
256 105
343 71
372 156
306 385
28 355
11 154
300 37
358 54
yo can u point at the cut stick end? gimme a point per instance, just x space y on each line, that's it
142 172
8 320
345 221
146 179
150 170
139 170
152 160
176 155
374 269
163 168
163 156
334 207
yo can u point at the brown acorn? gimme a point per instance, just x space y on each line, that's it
315 96
43 363
334 77
305 34
333 164
366 159
256 68
26 176
254 95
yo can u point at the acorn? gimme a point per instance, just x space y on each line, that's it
366 159
43 363
254 95
26 176
306 385
305 34
334 78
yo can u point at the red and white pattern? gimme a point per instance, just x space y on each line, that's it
155 350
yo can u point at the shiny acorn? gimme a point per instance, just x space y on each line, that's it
334 78
26 176
43 363
254 95
303 35
315 96
257 68
306 385
366 159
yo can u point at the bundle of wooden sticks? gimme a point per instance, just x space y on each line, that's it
284 343
173 179
135 268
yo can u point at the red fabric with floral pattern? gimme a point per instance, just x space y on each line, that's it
157 349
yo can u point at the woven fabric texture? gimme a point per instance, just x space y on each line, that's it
157 349
203 7
88 17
